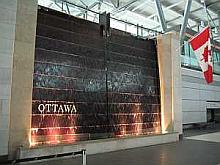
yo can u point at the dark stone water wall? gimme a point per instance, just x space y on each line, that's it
87 87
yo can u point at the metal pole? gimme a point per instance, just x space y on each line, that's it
62 5
185 21
142 34
86 13
161 15
218 23
125 27
68 8
207 15
84 157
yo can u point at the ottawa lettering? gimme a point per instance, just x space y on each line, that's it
57 108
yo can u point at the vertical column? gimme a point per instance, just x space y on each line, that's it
185 20
218 23
170 82
22 75
161 15
7 36
176 84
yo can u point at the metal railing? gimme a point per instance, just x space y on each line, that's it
51 157
188 59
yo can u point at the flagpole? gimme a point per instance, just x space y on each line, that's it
211 35
206 11
207 15
204 5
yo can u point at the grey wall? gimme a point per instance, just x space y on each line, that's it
17 43
197 96
7 36
22 75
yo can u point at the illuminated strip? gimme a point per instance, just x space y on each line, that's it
73 139
45 101
63 77
142 131
61 135
120 124
78 102
100 114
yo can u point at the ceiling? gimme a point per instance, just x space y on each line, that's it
144 13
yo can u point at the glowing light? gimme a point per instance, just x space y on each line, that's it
162 98
53 129
137 118
32 140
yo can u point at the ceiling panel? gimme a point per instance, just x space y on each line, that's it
143 12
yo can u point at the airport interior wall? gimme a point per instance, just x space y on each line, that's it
198 96
129 101
87 87
7 37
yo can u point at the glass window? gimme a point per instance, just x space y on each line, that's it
189 58
216 61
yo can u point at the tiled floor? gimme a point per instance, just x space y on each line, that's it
211 137
199 131
186 152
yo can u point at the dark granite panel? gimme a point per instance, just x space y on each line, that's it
127 50
46 94
69 23
59 70
134 107
81 108
68 95
133 42
87 87
132 70
73 37
45 81
130 76
67 59
133 98
132 60
68 121
133 88
67 47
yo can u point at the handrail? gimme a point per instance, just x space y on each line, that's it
53 156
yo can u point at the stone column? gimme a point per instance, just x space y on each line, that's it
22 75
8 9
170 82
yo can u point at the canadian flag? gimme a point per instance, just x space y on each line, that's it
202 47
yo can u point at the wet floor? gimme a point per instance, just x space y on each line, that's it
186 152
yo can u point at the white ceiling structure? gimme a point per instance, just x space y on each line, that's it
146 13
